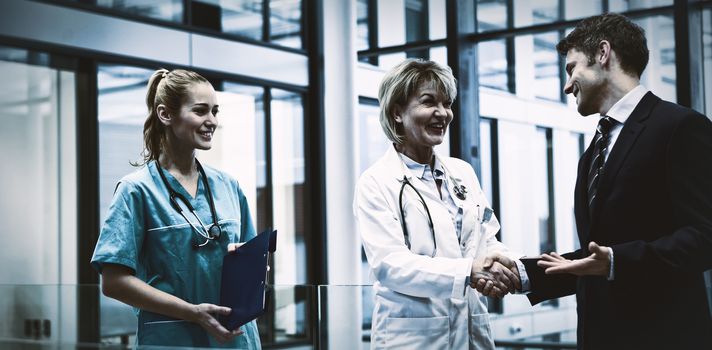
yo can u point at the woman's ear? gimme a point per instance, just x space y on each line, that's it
397 115
163 114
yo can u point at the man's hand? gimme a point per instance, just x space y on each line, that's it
497 276
596 264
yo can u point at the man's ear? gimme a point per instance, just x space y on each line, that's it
604 53
163 114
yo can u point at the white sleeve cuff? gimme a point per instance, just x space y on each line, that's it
523 277
611 273
459 285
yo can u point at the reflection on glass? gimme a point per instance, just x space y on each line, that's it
660 75
627 5
285 21
492 64
287 126
547 67
169 10
492 15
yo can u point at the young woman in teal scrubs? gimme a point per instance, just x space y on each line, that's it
158 250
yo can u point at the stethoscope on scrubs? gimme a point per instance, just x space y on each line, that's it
460 192
209 234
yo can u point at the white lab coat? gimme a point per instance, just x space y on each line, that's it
422 302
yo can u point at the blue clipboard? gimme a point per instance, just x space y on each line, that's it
244 280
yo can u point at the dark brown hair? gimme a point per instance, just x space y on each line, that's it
627 39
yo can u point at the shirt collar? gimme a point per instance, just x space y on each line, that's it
622 109
421 170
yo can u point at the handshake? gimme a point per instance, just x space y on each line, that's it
496 276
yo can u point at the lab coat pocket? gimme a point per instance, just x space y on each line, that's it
480 332
418 333
172 333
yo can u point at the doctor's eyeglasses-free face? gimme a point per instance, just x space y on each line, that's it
202 233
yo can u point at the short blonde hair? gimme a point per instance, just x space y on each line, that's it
401 82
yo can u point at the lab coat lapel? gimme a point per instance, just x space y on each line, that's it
399 169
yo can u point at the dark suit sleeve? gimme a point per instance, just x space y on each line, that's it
545 287
688 247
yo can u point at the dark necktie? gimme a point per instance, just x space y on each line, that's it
598 156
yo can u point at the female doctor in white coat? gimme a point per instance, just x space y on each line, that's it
426 224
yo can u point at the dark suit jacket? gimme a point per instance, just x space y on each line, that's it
654 209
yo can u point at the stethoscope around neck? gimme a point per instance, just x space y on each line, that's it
459 190
211 233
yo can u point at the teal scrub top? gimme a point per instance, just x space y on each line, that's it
145 233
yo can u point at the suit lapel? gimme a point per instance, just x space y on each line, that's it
633 127
581 195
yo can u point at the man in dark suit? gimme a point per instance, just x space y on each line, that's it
644 193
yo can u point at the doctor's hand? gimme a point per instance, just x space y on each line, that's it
204 315
596 264
494 279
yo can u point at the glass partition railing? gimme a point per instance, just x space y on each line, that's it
299 317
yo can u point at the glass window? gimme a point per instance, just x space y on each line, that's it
660 74
389 61
489 180
627 5
239 17
547 67
288 203
492 15
169 10
285 22
574 9
372 139
707 58
437 23
38 205
545 11
35 111
493 66
253 109
416 20
362 23
581 149
543 176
